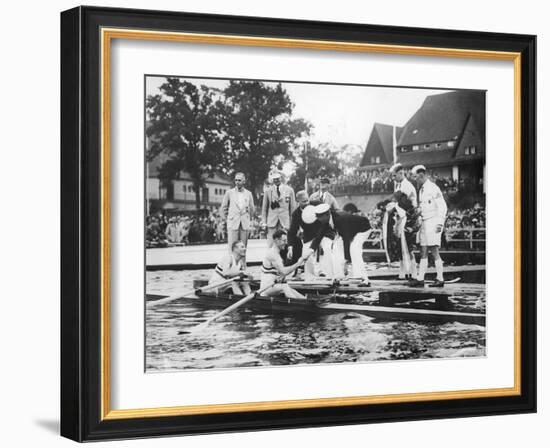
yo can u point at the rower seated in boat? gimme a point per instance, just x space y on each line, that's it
273 268
232 265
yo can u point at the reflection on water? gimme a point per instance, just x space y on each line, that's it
247 339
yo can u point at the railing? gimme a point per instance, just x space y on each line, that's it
349 189
472 237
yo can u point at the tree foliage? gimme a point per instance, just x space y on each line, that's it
259 128
184 126
320 161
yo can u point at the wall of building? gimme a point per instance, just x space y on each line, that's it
153 188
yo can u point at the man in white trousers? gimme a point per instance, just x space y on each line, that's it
351 231
238 209
433 210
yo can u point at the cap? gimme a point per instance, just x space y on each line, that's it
276 175
308 214
418 168
395 168
322 208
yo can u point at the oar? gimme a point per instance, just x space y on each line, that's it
191 291
230 308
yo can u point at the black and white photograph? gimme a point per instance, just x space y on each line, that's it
293 223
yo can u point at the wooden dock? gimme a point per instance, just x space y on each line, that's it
205 256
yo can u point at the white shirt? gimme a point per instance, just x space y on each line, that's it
240 199
432 204
406 187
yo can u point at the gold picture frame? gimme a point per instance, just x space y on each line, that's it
109 25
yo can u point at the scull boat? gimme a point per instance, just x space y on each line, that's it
328 304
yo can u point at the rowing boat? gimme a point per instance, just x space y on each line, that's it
394 286
326 304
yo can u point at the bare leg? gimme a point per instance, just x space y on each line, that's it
235 287
437 261
413 271
284 289
423 267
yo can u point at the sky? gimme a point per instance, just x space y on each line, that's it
340 114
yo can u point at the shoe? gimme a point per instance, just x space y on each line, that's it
437 284
416 283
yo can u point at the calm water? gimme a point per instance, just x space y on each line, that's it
247 339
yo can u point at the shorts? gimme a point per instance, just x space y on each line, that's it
428 234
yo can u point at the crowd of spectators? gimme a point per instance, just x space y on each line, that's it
164 230
373 181
380 181
466 218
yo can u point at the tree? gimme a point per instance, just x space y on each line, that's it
184 125
259 128
321 161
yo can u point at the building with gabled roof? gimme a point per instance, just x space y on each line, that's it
379 152
446 134
179 194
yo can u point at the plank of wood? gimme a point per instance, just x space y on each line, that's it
384 312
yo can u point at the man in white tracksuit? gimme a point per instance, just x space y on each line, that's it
433 210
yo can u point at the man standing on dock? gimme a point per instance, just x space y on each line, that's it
401 183
303 218
238 209
323 196
277 206
433 210
353 231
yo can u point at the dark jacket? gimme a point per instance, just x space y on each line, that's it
296 222
346 225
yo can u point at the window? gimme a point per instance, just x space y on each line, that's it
377 159
467 150
473 150
184 188
427 146
403 149
415 148
451 144
438 145
415 131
